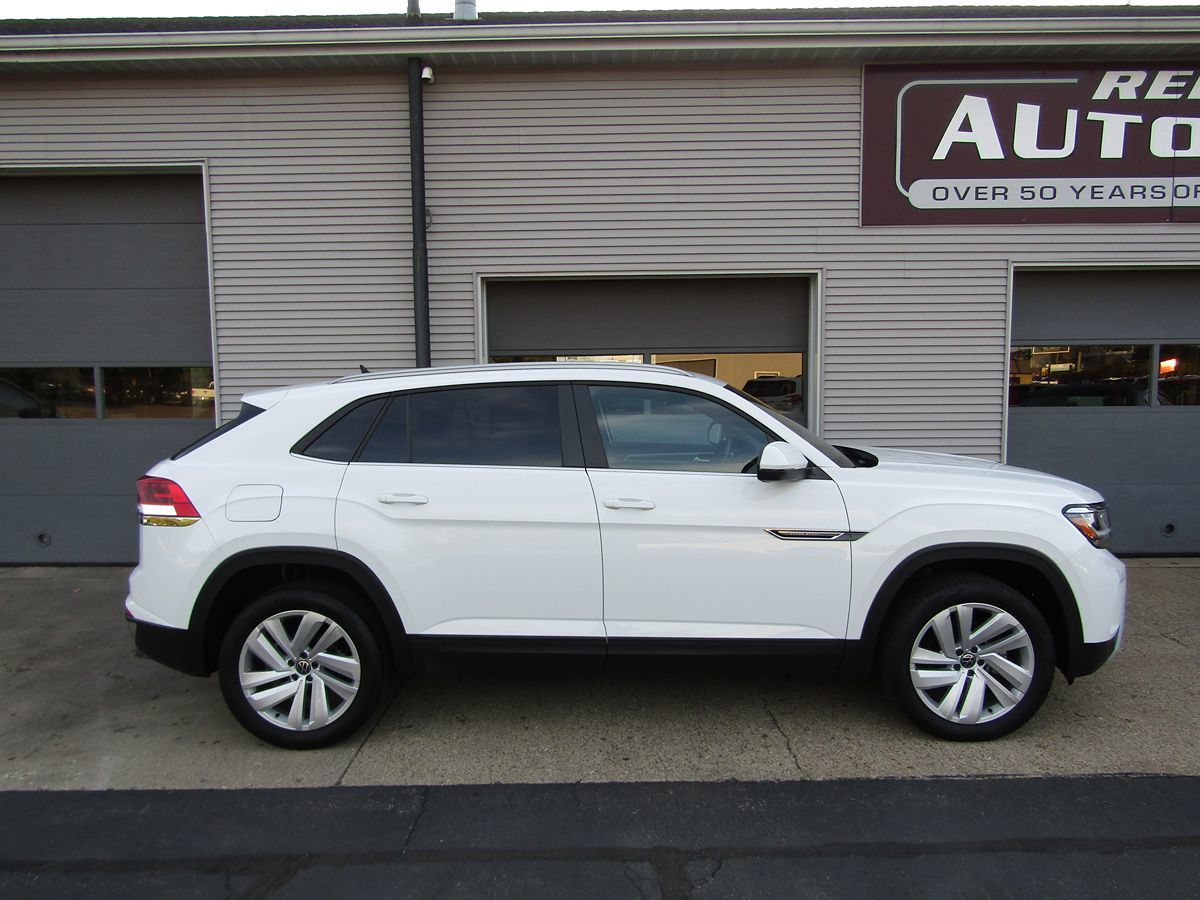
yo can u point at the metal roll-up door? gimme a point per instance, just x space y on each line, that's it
105 354
1105 389
668 315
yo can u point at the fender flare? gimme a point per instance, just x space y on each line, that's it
860 655
352 567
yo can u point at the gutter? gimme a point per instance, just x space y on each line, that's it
500 39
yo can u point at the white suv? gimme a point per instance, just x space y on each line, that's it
333 533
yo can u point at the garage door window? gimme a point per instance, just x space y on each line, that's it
158 393
1179 375
47 393
1080 375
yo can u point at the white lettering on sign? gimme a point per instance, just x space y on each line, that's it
1112 132
976 114
1162 137
1025 134
1124 83
1049 193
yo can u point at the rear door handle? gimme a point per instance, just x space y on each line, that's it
628 503
415 499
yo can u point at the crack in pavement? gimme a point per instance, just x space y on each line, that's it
786 740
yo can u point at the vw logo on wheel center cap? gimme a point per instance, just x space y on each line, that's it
968 659
303 666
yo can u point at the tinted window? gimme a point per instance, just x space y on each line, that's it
340 440
482 426
646 428
1179 375
158 392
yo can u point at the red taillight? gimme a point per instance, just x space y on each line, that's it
162 502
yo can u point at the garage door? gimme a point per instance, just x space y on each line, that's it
1105 389
105 355
751 332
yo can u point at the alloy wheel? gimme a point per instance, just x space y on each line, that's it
972 663
299 670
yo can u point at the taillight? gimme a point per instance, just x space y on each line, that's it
162 502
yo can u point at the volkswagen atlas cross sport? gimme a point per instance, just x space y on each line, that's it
331 534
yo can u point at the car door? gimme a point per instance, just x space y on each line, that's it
695 546
474 501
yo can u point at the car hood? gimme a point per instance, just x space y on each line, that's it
923 463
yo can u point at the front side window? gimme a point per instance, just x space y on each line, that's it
502 425
649 428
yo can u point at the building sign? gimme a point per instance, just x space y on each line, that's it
1013 145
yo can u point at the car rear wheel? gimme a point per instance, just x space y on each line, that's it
967 657
300 668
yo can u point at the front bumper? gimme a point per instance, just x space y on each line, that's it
1092 656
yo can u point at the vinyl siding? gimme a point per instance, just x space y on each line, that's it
308 203
749 171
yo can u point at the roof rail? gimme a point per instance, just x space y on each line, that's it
489 367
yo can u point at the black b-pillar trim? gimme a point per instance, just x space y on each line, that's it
420 243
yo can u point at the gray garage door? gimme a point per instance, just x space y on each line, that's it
1105 389
751 332
105 354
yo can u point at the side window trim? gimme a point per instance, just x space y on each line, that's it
594 456
589 426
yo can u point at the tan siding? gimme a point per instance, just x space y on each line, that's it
739 171
309 204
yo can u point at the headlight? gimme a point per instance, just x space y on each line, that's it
1092 521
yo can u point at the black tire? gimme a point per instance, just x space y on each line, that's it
980 678
344 715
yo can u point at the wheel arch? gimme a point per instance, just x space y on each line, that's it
246 575
1025 570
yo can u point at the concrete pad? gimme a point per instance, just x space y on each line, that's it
82 712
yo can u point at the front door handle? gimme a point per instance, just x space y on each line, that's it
628 503
416 499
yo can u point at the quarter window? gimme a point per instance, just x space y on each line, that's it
340 440
647 428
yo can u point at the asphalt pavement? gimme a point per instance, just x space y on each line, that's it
986 838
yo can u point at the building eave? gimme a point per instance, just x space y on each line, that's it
623 42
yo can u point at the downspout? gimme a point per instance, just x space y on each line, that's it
416 162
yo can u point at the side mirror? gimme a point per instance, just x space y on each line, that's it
780 461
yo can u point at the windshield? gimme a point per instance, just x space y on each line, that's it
842 460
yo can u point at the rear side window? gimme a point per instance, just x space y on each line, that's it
503 425
245 414
341 440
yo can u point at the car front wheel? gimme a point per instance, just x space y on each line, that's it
300 668
967 657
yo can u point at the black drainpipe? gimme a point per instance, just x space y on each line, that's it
420 245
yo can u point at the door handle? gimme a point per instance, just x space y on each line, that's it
415 499
628 503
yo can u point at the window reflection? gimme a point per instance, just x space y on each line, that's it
1179 375
47 393
1079 376
776 379
158 393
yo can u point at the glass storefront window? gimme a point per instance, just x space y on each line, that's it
1079 375
158 393
47 393
1179 375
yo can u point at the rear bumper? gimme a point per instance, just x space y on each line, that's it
173 647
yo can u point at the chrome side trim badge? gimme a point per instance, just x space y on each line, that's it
793 534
